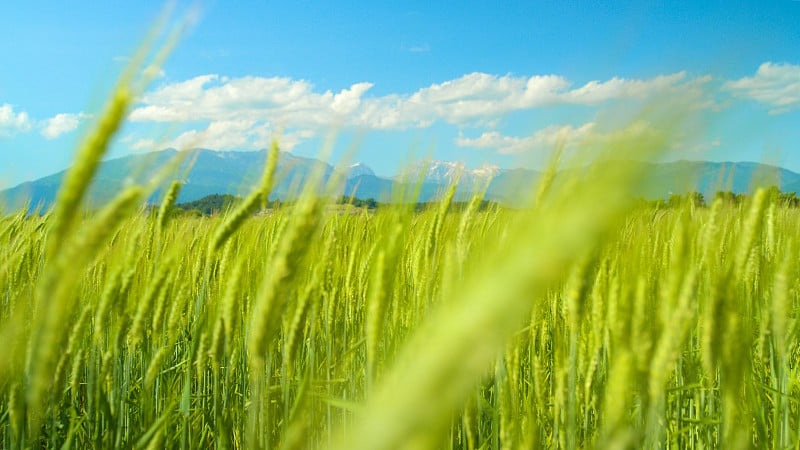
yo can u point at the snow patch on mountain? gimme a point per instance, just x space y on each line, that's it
444 172
358 169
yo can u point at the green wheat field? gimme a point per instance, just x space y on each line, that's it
583 320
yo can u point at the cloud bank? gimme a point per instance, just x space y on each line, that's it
775 85
567 136
240 112
224 113
546 138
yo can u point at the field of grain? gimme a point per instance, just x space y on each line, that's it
583 320
570 324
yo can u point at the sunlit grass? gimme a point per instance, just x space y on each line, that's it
580 320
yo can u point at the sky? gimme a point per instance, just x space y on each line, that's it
484 83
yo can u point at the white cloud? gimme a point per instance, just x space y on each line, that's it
227 135
595 92
60 124
544 139
282 100
12 122
570 136
221 135
235 111
475 96
479 97
776 85
469 98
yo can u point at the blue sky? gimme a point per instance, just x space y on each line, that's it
480 82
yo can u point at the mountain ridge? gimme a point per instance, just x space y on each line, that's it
235 172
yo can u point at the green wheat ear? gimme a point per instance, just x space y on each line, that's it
250 205
169 201
400 328
76 182
65 255
446 356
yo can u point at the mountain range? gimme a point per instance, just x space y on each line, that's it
235 172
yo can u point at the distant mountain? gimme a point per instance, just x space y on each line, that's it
212 173
235 173
359 169
387 190
709 177
444 172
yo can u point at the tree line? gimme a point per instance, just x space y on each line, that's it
786 199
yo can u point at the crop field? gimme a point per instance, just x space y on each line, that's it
571 324
584 319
